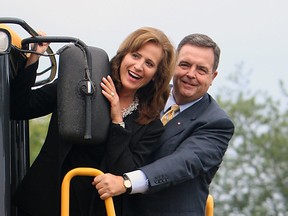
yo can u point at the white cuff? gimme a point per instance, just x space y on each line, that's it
139 181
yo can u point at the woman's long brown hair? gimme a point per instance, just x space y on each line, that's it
152 97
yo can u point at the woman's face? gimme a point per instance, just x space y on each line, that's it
138 68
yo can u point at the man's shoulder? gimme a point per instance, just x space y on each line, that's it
208 107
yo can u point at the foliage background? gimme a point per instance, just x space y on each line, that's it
253 178
38 130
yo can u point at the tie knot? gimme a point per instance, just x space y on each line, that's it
169 114
175 107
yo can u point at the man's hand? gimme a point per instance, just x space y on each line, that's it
109 185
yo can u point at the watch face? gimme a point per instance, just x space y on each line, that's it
127 183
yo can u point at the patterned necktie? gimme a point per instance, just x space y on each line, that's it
170 114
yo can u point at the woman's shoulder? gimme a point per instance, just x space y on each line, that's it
155 124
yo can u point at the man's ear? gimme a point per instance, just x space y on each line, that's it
214 74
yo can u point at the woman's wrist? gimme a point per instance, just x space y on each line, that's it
121 123
32 60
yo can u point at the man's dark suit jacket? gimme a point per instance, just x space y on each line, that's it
191 151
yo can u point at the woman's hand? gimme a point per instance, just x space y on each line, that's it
109 185
109 91
40 48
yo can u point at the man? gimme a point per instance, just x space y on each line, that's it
192 146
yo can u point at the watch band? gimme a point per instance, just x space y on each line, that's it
127 184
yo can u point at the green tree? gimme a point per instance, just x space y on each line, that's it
38 130
253 178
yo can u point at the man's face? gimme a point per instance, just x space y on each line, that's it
193 73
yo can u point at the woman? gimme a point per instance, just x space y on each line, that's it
137 90
141 72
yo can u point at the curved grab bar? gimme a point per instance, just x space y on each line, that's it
65 189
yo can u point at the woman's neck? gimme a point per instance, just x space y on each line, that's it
126 99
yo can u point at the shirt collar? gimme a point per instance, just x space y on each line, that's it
172 101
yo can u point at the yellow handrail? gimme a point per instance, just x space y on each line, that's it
65 189
86 171
209 206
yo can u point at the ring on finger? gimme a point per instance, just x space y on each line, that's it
112 94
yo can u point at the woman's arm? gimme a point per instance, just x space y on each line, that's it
133 146
39 48
25 102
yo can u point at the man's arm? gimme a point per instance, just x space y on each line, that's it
196 155
199 153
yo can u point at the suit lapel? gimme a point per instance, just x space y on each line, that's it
180 122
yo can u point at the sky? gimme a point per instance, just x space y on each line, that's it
250 33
